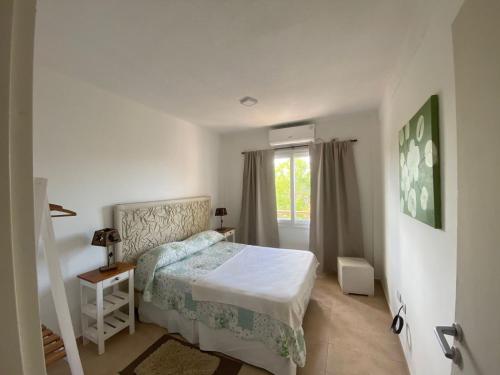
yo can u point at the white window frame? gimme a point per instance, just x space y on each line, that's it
292 154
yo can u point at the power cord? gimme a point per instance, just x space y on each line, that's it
398 322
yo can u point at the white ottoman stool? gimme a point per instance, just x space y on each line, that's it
355 275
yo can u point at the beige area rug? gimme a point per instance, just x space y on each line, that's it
171 356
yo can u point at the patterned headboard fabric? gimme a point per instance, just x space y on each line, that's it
144 226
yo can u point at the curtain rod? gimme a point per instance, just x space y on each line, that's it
292 147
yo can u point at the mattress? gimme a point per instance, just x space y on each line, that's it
268 280
172 290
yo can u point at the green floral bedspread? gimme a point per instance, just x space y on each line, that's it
171 290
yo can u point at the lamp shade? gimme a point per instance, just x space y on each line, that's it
220 211
106 237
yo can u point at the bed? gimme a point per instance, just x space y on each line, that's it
245 301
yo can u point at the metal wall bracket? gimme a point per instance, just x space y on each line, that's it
455 331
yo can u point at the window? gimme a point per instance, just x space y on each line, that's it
292 173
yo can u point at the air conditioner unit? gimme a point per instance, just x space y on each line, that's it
291 135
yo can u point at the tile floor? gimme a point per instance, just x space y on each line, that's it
345 335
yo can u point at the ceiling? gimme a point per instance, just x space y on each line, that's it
195 59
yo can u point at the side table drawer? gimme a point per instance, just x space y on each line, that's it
115 279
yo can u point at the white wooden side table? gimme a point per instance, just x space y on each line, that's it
101 317
227 232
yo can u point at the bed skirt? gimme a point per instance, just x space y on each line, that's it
220 340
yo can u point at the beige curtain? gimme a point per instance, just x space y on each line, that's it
258 220
335 208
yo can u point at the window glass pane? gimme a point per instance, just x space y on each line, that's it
283 184
302 188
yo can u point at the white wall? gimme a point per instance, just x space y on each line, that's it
98 149
421 261
363 126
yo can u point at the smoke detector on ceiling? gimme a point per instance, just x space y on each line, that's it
248 101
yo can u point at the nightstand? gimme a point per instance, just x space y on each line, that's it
101 317
227 232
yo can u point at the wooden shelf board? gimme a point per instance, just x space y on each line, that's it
111 302
53 346
112 324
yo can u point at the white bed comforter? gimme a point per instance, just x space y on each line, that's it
277 282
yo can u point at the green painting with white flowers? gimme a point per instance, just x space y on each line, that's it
420 182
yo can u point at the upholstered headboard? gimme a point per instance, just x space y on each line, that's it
144 226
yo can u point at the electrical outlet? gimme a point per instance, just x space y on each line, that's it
399 297
409 343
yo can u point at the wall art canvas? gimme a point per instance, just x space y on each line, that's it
419 171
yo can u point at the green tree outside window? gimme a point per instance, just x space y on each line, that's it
293 187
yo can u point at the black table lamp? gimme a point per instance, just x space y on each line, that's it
107 237
221 211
